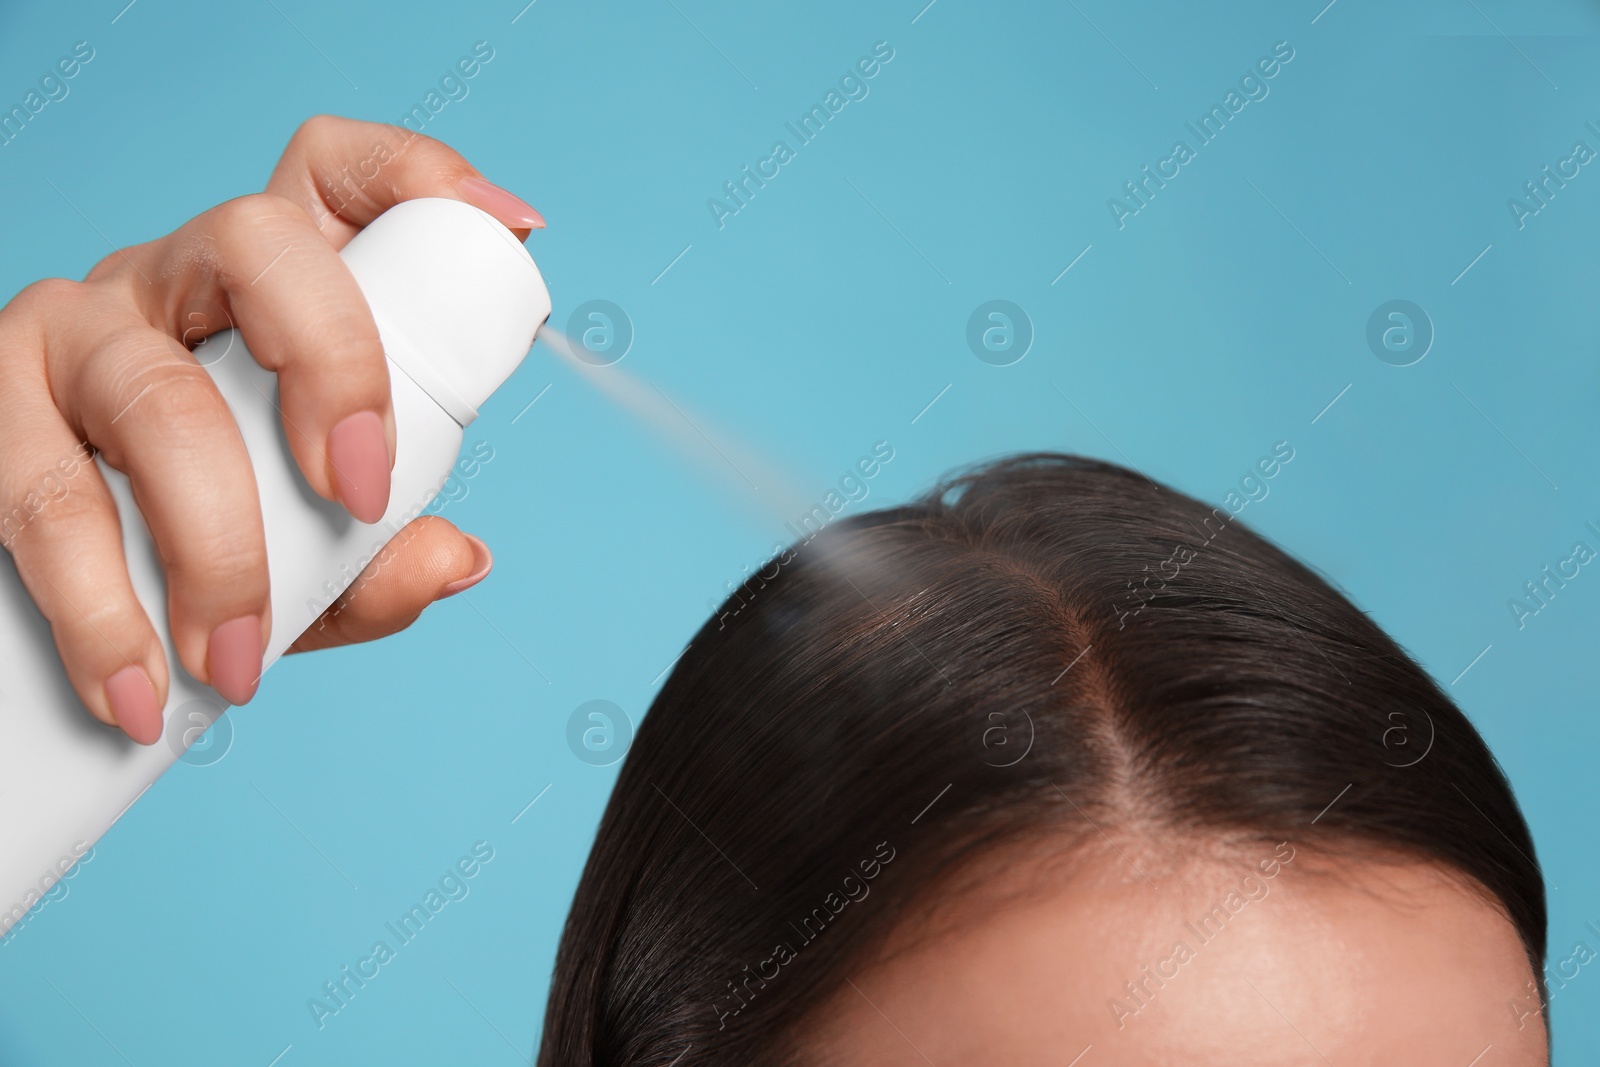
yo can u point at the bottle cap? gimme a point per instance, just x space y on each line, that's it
456 297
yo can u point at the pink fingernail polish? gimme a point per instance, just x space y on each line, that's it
234 657
358 452
482 560
133 705
515 212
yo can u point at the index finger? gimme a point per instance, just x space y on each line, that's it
345 173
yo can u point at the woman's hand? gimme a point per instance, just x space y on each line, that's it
106 362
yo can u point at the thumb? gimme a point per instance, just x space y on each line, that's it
427 561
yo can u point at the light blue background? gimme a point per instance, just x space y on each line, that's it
1222 319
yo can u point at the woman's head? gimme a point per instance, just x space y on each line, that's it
1054 757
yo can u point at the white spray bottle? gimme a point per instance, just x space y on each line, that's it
457 300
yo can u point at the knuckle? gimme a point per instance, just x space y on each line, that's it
250 231
137 379
51 510
100 615
225 558
52 290
349 350
46 295
251 213
22 321
120 264
176 396
440 164
318 128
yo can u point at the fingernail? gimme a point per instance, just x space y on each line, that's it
358 451
133 705
482 560
515 212
234 657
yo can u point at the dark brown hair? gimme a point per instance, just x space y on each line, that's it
1041 641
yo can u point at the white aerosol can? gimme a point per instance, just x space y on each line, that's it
457 300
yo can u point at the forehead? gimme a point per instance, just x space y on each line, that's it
1282 957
